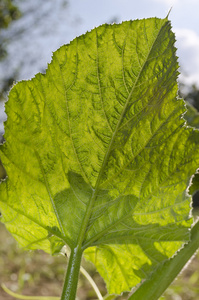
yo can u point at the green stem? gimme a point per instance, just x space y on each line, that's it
72 275
23 297
92 283
164 275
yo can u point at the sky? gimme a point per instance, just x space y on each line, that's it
46 25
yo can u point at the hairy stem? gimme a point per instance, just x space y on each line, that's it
72 275
160 280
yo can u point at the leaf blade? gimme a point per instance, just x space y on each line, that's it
92 146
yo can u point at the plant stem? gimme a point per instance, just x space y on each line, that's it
92 283
72 274
23 297
164 275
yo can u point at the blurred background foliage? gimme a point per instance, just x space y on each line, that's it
8 13
37 273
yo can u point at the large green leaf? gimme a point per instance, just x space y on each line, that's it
97 152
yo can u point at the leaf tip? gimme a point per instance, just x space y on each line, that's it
167 16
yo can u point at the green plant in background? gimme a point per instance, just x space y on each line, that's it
99 158
8 13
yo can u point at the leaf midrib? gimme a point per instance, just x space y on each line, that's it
88 212
138 153
92 240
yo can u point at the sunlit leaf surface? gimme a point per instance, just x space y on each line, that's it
98 155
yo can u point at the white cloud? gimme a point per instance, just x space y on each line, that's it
188 53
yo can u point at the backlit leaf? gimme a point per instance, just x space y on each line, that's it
97 152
